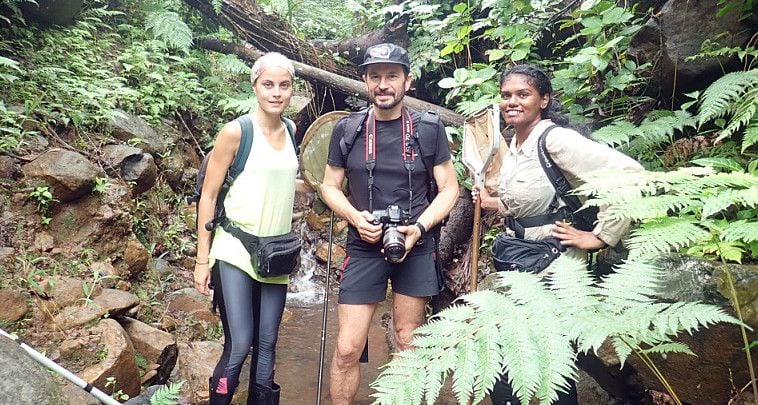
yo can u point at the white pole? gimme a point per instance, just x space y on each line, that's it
103 397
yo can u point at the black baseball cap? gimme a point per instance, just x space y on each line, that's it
385 53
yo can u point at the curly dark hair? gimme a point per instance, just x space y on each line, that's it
541 81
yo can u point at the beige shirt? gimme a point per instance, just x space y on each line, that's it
526 191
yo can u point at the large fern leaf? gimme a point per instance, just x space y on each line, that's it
661 235
651 132
750 137
168 27
717 100
740 230
745 109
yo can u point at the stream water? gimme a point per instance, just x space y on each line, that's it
297 361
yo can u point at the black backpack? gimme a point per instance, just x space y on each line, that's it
584 220
426 144
246 142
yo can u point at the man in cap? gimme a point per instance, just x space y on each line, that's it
385 168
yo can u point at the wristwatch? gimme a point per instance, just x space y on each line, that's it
421 228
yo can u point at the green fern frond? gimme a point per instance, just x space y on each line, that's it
168 27
745 109
750 137
233 64
664 234
669 347
740 231
717 99
650 132
631 282
167 394
649 207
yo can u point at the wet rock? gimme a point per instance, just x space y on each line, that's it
131 164
162 267
9 168
78 396
23 381
12 305
135 258
155 345
670 36
52 12
193 309
70 174
338 253
109 275
127 127
43 242
61 292
195 365
339 227
316 222
704 379
111 302
119 363
182 157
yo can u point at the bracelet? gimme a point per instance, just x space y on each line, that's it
198 262
421 228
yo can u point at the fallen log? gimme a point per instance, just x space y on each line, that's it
344 84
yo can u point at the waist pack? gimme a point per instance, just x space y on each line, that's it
276 255
516 254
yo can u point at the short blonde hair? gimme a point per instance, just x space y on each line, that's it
269 60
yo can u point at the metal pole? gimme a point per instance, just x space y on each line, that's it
326 310
40 358
475 245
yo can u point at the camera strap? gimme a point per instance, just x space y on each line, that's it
409 154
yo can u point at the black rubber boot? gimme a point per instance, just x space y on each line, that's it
264 395
502 393
218 399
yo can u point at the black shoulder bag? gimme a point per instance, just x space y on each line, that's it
275 255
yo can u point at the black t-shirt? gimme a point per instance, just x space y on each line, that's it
390 176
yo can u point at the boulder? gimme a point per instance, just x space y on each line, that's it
23 381
720 363
60 292
70 174
52 12
128 127
135 258
338 254
677 32
131 164
9 168
119 362
110 302
155 345
195 365
12 305
194 310
109 274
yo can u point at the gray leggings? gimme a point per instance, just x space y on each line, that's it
251 312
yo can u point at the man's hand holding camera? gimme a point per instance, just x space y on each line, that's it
363 221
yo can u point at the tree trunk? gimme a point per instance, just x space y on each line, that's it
344 84
249 22
353 49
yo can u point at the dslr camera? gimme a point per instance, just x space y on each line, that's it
392 239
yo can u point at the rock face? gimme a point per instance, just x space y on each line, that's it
677 32
126 126
70 174
133 165
110 301
155 345
23 381
53 12
119 362
707 378
12 305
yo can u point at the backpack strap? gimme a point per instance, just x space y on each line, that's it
562 189
291 131
243 151
554 173
428 125
353 124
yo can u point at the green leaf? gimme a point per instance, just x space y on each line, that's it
495 54
719 163
519 54
448 83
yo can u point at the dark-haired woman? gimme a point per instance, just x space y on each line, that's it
528 106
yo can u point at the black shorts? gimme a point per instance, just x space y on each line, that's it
364 279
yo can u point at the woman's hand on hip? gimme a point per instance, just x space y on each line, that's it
571 236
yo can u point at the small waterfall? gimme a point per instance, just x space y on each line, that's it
305 289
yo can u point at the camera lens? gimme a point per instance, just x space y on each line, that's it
394 244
